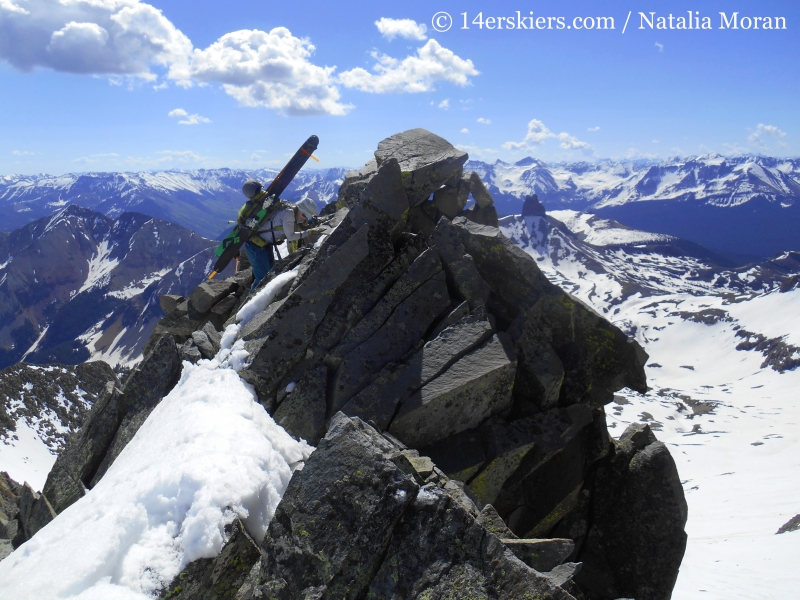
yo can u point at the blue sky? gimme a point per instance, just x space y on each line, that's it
98 85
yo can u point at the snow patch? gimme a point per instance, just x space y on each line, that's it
100 267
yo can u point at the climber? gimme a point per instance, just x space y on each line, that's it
283 221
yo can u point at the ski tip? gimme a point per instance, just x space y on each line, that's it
213 274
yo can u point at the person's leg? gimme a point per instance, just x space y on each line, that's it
261 260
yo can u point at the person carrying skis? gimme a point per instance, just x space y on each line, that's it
283 222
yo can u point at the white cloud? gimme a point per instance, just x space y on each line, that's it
465 130
735 149
536 136
130 40
405 28
476 152
569 142
182 156
187 118
8 5
420 73
22 153
445 104
634 154
593 129
756 137
109 37
484 121
660 47
268 69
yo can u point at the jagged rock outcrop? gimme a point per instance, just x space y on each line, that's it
440 372
352 525
635 539
116 414
54 399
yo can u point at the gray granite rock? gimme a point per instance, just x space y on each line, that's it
84 451
546 485
460 266
207 294
220 577
169 302
451 199
277 339
493 523
636 541
335 520
395 337
542 555
469 392
355 182
482 196
421 270
203 344
378 402
153 379
506 445
597 357
438 551
426 160
302 413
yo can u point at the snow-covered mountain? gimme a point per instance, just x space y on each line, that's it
724 346
202 200
742 206
79 285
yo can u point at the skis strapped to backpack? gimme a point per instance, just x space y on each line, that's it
230 246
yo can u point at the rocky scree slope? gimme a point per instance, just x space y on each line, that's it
79 285
456 399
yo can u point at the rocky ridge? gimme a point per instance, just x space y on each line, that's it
456 400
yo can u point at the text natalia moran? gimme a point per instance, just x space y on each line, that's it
693 20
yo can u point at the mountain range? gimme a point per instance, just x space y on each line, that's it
78 284
743 207
723 343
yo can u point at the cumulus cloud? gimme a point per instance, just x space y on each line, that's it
9 6
477 152
483 121
114 37
756 137
405 28
22 153
269 69
569 142
432 64
465 130
594 128
131 40
538 134
186 118
445 104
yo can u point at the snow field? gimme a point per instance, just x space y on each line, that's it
208 453
733 429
